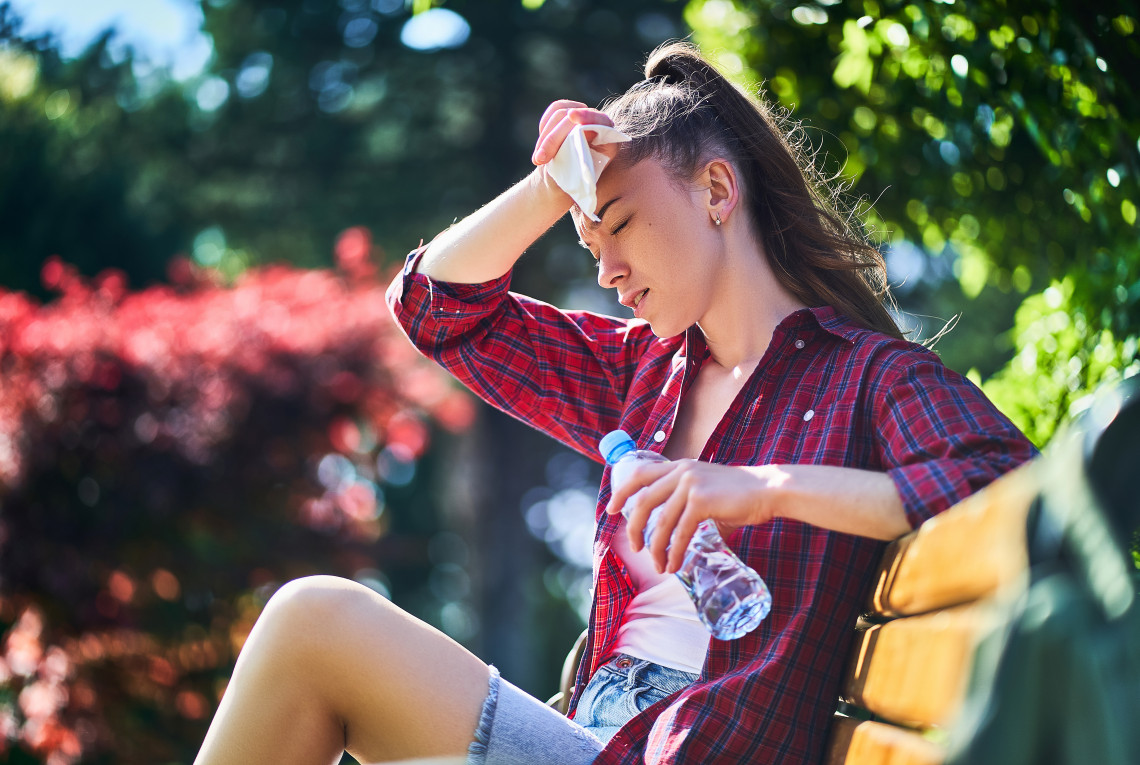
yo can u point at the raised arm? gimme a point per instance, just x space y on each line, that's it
485 245
566 373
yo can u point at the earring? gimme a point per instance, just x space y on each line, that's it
717 218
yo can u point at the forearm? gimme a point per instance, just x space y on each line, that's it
485 245
683 493
848 500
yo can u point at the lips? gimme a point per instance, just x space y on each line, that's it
632 299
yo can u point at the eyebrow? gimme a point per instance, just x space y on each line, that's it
587 223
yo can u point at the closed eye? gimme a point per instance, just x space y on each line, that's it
620 226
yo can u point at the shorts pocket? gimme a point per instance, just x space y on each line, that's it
642 697
667 681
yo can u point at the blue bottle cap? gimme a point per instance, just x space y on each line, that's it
613 445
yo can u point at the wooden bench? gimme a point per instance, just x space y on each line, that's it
1007 629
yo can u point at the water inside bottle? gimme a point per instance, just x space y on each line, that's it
731 598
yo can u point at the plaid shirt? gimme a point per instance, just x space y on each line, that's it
826 392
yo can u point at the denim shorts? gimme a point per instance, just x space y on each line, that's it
623 687
517 729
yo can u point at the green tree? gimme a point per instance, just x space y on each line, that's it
84 172
998 143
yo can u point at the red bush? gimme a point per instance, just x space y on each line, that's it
167 456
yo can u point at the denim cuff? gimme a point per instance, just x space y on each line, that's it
477 751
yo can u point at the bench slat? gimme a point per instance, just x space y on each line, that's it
961 555
871 743
914 670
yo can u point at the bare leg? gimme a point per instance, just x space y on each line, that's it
331 665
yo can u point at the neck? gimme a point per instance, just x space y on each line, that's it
750 302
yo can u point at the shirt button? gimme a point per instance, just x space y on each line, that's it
799 344
809 414
659 436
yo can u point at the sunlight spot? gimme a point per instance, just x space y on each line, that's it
435 29
808 14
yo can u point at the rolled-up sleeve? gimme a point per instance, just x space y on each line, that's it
942 439
563 372
431 312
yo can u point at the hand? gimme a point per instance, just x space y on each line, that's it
686 492
557 122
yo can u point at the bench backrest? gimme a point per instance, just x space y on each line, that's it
941 589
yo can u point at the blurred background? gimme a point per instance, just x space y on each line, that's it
202 395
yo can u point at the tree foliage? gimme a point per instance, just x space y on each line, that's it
80 173
311 116
998 144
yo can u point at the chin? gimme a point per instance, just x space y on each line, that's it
665 330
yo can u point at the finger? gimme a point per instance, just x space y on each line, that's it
559 105
683 534
639 477
559 125
589 117
664 532
645 521
640 516
551 140
548 124
643 511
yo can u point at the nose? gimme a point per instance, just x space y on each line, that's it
610 271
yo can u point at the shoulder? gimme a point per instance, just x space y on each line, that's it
874 349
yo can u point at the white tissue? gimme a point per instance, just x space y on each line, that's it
576 167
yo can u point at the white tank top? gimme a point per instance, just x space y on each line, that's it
660 623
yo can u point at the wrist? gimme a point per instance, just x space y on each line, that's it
773 500
548 191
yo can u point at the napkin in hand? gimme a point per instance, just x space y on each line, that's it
577 166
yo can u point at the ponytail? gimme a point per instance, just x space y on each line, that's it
686 112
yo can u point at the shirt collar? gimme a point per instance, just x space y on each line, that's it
822 317
833 322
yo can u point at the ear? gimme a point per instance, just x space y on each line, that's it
722 185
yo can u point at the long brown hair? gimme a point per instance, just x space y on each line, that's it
686 113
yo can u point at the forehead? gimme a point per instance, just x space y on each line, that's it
633 183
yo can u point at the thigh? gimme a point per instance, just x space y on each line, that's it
401 687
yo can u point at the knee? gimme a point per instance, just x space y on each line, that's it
316 611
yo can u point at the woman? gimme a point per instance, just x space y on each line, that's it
761 361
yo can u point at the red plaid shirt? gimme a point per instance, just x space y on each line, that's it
826 392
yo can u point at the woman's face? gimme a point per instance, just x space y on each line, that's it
656 244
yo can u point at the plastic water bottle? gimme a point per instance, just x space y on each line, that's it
730 597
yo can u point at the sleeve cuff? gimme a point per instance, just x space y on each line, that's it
924 491
451 300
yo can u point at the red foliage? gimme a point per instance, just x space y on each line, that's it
196 345
284 371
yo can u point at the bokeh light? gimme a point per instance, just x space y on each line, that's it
561 514
435 29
